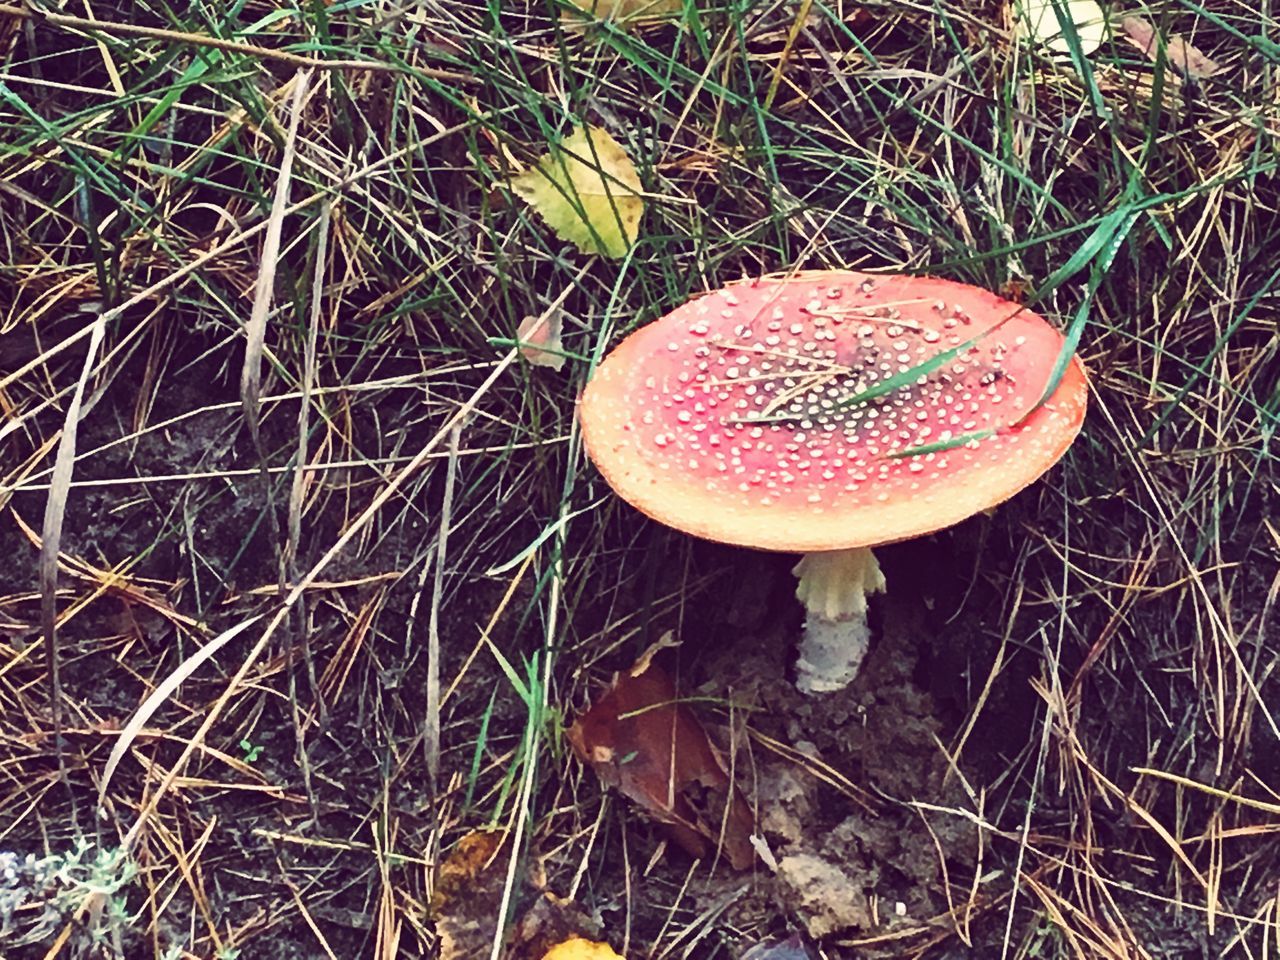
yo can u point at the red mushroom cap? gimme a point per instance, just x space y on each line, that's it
733 417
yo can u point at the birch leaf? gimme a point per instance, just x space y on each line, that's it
1038 22
588 192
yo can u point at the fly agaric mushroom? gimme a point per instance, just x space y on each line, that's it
826 413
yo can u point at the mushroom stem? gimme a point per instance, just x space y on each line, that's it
833 588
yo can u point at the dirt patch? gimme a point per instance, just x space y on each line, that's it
851 813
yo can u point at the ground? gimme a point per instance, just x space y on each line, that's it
1064 741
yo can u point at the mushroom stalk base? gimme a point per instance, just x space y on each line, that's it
834 587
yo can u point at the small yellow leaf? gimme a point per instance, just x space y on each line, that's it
588 191
1038 22
579 949
629 9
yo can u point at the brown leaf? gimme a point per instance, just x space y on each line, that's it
1182 56
640 739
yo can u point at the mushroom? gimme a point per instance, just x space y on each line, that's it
825 413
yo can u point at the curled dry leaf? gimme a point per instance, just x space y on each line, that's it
540 340
579 949
640 739
467 896
466 905
588 192
1181 55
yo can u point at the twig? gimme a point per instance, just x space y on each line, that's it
432 738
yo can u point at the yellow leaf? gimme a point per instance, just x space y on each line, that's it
1038 21
579 949
588 191
629 9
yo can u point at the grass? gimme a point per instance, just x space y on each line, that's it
1102 685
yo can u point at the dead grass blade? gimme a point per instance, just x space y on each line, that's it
298 485
158 696
1188 783
432 731
297 490
51 532
256 328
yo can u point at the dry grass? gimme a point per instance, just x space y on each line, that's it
439 578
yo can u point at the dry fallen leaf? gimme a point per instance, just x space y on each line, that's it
540 342
630 9
1182 56
466 905
588 192
579 949
641 740
1037 20
467 895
